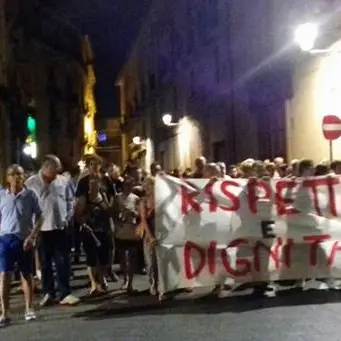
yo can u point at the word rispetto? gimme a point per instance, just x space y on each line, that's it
284 204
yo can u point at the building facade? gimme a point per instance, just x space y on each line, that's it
47 67
5 145
199 60
233 71
90 134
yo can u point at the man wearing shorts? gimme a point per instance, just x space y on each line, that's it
19 206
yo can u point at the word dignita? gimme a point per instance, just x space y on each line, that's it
280 253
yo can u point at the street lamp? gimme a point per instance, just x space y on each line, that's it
167 120
306 35
81 164
30 149
137 140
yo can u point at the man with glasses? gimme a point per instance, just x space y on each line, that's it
18 206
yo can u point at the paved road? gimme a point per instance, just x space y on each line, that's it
291 316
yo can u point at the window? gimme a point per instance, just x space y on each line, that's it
50 75
219 151
212 8
189 29
172 41
163 66
206 20
192 83
152 82
217 64
144 92
175 98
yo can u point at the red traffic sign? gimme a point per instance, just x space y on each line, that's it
331 127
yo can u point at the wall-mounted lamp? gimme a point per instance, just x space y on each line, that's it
167 120
137 140
306 35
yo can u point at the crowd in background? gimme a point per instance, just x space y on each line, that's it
256 168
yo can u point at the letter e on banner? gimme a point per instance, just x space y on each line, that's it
267 229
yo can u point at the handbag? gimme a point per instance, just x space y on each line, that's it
126 231
127 224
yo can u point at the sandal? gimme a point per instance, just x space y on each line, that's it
162 298
95 293
153 291
113 277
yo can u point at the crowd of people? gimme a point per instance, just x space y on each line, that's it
251 168
107 213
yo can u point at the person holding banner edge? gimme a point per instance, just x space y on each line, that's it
146 210
19 205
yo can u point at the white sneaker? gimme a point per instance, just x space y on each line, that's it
30 315
69 300
313 284
334 284
46 300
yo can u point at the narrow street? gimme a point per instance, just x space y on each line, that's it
314 315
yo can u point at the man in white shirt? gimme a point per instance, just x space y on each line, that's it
222 167
55 193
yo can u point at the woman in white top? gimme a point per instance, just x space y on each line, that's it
126 232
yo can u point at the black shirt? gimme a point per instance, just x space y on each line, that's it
97 218
116 185
82 188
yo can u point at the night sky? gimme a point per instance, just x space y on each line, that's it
112 26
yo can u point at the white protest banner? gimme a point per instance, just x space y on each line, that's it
224 231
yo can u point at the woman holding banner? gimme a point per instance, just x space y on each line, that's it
127 234
147 225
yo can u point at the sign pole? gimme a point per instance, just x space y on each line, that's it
331 128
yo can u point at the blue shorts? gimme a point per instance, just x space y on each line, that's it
12 253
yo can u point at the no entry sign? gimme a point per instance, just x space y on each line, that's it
331 127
